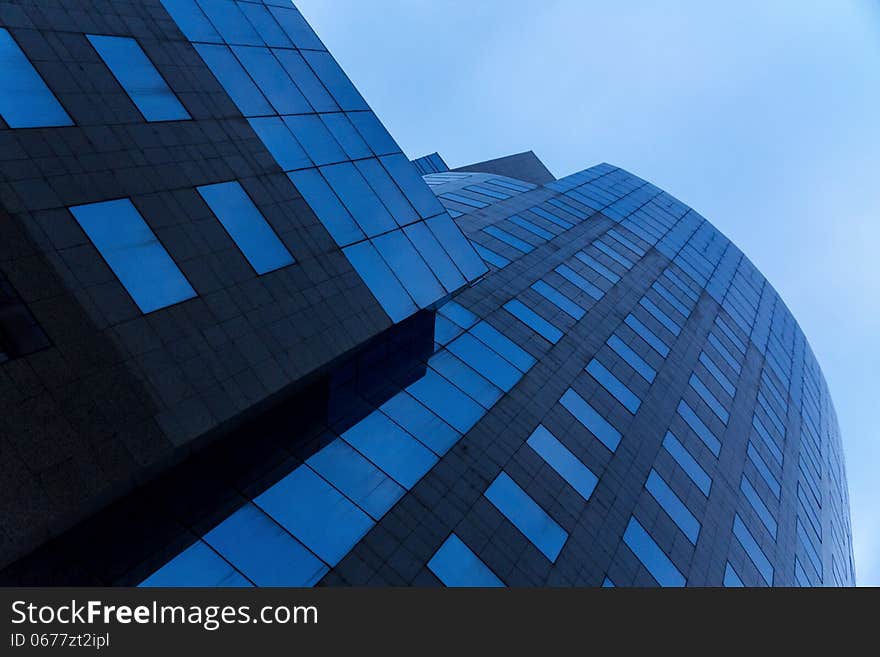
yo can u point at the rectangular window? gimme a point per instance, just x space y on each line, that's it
651 555
361 201
272 79
716 372
629 244
674 507
326 205
681 285
530 227
334 78
425 425
533 320
447 401
758 505
432 251
703 432
377 137
647 335
485 191
710 399
552 218
527 516
308 83
296 27
660 316
509 239
768 440
485 361
588 416
687 462
466 379
750 545
311 133
614 255
560 458
667 296
265 25
510 184
409 268
763 470
456 565
380 280
142 82
730 334
559 300
247 226
632 358
597 267
235 80
565 207
731 579
133 252
198 565
20 334
579 281
389 193
614 385
25 100
487 254
725 354
504 346
230 22
191 20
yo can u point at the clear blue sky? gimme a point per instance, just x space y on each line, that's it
763 116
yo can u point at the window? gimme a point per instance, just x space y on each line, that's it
632 358
659 315
533 320
687 462
25 100
614 255
558 299
140 79
230 22
674 507
247 226
272 79
510 184
566 464
455 564
565 207
267 555
651 555
409 268
20 334
588 416
191 20
356 477
296 27
466 379
629 244
317 514
307 82
265 24
485 191
579 281
731 579
463 200
335 79
647 335
361 201
435 255
427 427
347 136
725 354
388 192
763 470
758 505
530 227
321 147
382 282
527 516
768 440
552 218
458 314
199 566
703 432
750 545
504 346
447 401
326 205
597 267
710 399
134 254
614 385
716 372
667 296
237 83
485 361
509 239
494 259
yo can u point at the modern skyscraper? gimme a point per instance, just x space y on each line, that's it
245 341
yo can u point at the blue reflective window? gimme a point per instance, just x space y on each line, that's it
607 583
447 401
710 399
261 549
296 27
429 429
651 555
758 505
419 194
272 79
588 416
552 218
326 205
614 385
191 20
237 83
25 100
763 470
614 255
807 542
321 147
800 574
410 269
460 250
463 200
509 239
771 414
265 25
579 281
730 334
458 314
466 379
375 134
281 144
352 474
511 184
659 315
391 448
647 335
485 191
198 565
632 358
565 207
703 432
670 299
387 191
247 226
527 516
134 254
728 357
435 255
490 256
681 285
566 464
336 81
361 201
768 440
687 462
750 545
140 79
455 564
230 22
674 507
530 227
485 361
382 283
503 345
639 251
716 372
597 266
731 579
533 320
558 299
317 514
308 83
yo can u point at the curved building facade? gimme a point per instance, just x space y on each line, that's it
245 341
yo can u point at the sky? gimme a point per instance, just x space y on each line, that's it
762 116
